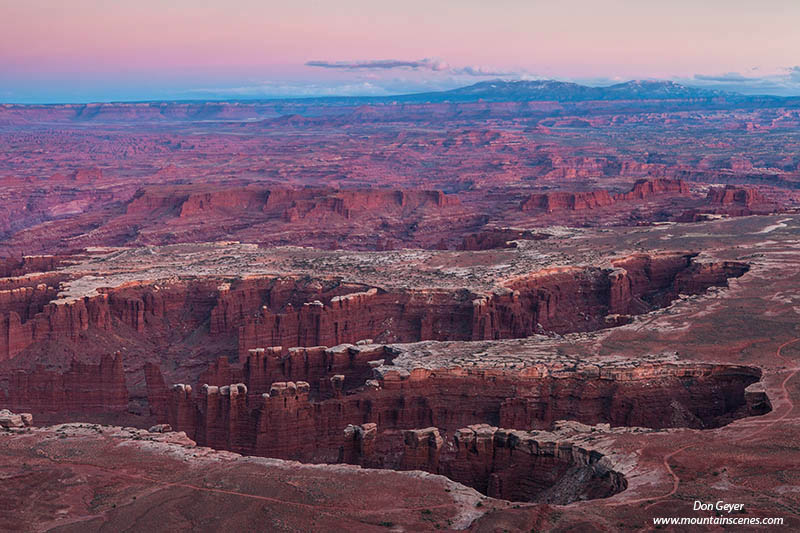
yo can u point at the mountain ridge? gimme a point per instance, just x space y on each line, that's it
559 91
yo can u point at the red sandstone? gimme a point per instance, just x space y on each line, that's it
494 240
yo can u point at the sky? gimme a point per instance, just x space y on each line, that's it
59 51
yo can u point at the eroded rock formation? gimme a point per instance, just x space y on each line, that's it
287 422
731 195
9 420
646 188
578 201
583 299
243 315
566 201
548 467
498 238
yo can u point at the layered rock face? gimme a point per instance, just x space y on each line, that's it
31 315
732 195
584 299
396 316
548 467
153 307
330 372
317 365
248 298
646 281
210 212
25 292
349 203
282 204
27 301
521 466
19 266
578 201
64 321
561 300
286 422
307 313
82 388
732 200
566 201
646 188
498 238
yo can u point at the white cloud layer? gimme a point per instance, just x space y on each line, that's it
431 64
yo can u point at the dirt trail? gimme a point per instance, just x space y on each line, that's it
676 480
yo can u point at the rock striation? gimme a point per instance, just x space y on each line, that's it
82 388
731 195
498 238
584 299
646 188
558 467
291 420
567 201
642 189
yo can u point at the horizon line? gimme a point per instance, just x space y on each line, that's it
277 98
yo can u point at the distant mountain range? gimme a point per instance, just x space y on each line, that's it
559 91
550 91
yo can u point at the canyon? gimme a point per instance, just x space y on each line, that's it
524 306
303 311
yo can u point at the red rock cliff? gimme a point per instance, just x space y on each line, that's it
286 423
567 201
579 201
83 387
732 195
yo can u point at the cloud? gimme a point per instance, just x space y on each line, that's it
781 82
480 71
733 77
288 89
435 65
429 64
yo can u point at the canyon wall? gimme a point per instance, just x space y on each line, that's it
211 315
647 188
508 464
643 189
63 321
559 299
32 315
291 311
387 316
498 238
19 266
287 205
286 422
584 299
82 388
732 195
567 201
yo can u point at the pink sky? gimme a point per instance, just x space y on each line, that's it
101 49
